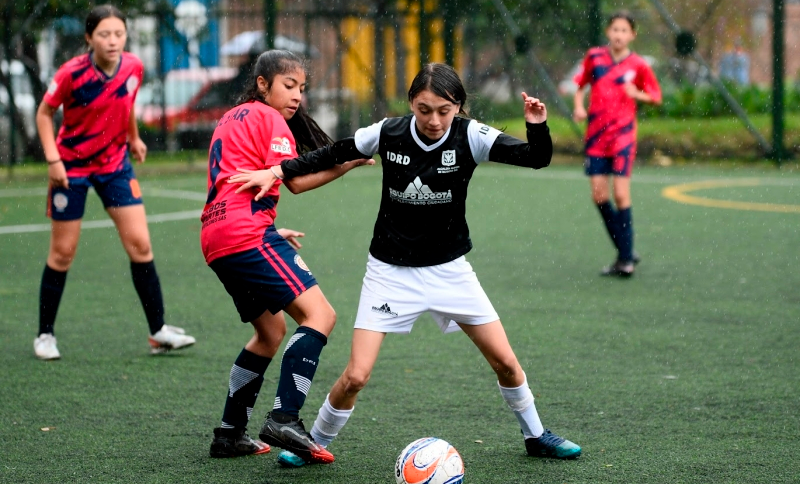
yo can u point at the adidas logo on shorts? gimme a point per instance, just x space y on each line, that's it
385 309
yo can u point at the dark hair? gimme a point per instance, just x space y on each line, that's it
307 134
624 15
441 80
100 13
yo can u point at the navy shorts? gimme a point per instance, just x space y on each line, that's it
117 189
620 165
266 278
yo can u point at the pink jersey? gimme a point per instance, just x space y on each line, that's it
252 136
97 109
612 114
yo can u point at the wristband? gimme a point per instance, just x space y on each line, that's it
53 162
272 169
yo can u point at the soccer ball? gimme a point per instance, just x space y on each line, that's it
429 461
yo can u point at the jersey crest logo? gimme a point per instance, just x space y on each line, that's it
449 157
60 201
52 88
629 76
131 84
281 145
301 263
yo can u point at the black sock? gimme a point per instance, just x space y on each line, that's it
609 216
625 225
145 280
247 375
50 297
300 360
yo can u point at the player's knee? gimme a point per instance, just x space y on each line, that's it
140 250
61 257
355 380
328 314
272 338
331 318
507 367
143 248
325 320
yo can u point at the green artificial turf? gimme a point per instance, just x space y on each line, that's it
682 139
688 373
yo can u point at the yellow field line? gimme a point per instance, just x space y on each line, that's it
678 193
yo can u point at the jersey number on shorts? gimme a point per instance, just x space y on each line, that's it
213 169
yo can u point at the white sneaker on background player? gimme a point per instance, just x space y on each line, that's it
44 347
169 338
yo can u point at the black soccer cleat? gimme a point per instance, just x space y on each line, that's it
235 443
619 269
551 445
292 436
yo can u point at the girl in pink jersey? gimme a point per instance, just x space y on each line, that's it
258 264
97 91
618 78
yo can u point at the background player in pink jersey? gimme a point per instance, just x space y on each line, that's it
258 264
618 79
97 91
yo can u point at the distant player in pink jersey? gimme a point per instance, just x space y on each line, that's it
258 264
97 91
618 79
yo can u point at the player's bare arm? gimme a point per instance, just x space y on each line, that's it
264 179
56 172
136 146
311 181
579 111
635 93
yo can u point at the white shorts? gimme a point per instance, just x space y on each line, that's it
393 297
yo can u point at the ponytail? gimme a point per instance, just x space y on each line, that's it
307 134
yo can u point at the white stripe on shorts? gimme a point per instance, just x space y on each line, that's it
393 297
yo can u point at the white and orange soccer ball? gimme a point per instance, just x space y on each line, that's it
429 461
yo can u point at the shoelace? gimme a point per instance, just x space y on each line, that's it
549 439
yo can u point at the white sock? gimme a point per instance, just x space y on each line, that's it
329 422
520 401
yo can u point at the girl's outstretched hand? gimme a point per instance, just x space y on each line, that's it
291 237
535 110
349 165
263 179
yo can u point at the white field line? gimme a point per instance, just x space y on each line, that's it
97 224
361 172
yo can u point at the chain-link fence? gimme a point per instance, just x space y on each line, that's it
713 57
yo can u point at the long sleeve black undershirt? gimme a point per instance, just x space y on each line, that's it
536 153
322 159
